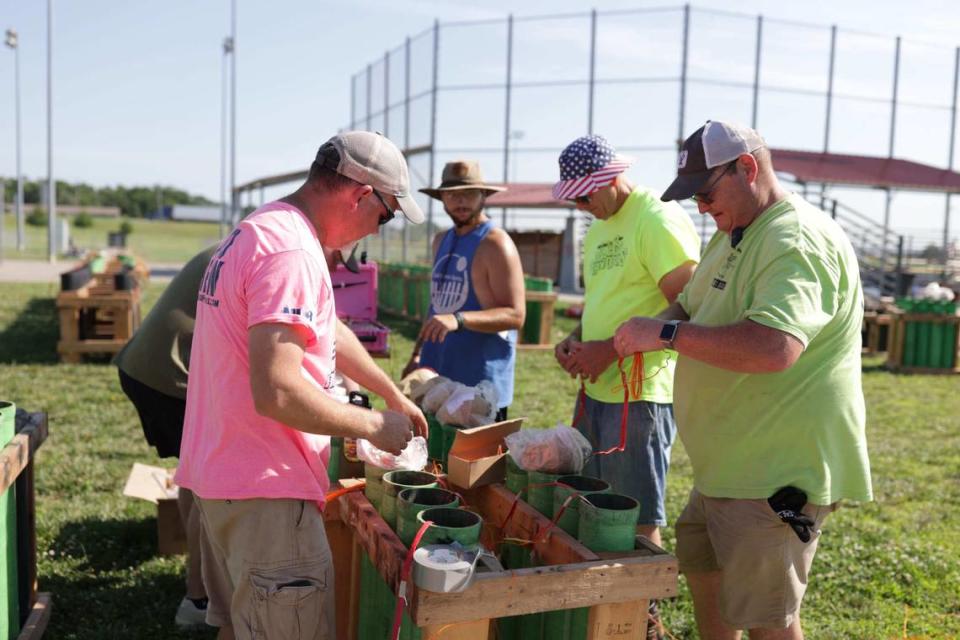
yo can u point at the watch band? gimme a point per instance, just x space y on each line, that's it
458 316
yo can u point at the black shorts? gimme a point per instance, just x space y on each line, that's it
161 416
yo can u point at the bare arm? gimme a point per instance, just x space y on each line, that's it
745 346
281 393
673 283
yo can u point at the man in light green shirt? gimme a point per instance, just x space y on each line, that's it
768 394
637 255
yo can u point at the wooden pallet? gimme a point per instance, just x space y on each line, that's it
616 587
94 319
895 354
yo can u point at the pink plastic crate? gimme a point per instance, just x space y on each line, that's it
355 295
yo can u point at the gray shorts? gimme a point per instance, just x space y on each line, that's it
640 471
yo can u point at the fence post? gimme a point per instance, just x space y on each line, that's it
593 69
683 73
756 71
433 136
506 117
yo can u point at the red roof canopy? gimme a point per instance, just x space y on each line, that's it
864 171
527 195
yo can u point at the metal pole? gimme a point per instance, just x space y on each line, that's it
224 220
506 117
833 58
353 102
386 132
593 69
756 71
893 131
369 95
13 41
234 201
406 131
433 135
386 94
683 72
953 133
893 101
51 181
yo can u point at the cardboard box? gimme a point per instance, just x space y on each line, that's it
477 455
155 484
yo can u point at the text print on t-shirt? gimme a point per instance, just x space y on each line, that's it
208 286
609 255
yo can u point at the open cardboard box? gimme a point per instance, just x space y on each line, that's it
156 485
477 455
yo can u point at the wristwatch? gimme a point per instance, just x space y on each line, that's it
458 316
669 333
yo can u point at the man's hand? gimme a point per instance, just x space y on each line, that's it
391 432
437 327
638 335
562 351
401 404
590 359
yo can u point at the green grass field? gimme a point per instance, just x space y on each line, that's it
152 240
888 569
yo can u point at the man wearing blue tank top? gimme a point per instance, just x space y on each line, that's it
477 292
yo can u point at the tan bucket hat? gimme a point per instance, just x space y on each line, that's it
459 175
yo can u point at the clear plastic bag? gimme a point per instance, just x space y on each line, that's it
470 406
416 385
412 458
438 393
561 449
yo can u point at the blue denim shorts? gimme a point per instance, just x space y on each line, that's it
640 471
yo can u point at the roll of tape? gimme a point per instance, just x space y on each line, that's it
443 568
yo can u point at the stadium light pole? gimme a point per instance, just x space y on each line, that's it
13 41
51 182
233 110
227 50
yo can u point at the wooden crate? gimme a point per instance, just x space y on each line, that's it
876 332
616 587
98 318
16 468
547 300
898 330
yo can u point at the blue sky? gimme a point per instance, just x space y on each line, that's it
137 84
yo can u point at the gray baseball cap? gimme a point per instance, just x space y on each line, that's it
370 158
712 145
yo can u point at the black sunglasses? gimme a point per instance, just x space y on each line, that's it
706 197
390 213
583 200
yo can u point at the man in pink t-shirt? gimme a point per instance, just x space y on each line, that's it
259 415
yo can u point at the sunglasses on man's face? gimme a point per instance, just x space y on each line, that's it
388 214
706 197
581 200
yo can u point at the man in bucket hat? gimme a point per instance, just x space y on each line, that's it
638 254
768 395
260 410
476 292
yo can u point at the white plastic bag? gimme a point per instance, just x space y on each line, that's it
470 406
561 449
438 394
416 385
412 458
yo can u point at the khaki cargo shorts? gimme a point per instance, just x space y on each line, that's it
267 569
764 564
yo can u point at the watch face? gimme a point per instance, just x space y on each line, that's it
668 332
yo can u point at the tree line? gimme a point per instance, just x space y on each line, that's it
134 202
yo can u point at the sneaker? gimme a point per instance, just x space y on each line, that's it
191 613
654 625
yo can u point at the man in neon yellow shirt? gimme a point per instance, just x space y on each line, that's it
637 256
768 393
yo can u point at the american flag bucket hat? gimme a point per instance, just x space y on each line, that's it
587 164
